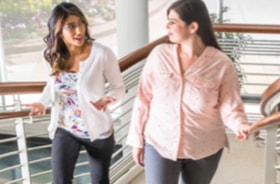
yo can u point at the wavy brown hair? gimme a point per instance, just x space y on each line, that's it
56 52
196 11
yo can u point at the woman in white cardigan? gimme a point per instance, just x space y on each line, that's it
79 68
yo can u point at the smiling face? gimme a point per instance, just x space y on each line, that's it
176 27
73 31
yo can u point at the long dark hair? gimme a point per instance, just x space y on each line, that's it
196 11
56 52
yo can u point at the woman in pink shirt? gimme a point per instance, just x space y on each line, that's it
187 94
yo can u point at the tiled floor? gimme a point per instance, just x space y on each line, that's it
243 163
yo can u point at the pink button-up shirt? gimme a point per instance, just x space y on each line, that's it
184 115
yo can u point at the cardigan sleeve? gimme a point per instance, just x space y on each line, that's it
45 97
113 76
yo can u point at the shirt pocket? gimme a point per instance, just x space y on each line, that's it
209 84
203 94
164 82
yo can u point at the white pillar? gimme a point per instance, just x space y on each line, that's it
2 61
132 25
221 11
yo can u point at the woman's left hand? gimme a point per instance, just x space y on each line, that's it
102 103
243 131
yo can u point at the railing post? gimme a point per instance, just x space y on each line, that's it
23 153
270 155
21 141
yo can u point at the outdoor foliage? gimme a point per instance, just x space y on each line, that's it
24 19
18 18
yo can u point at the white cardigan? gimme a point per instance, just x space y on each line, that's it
100 67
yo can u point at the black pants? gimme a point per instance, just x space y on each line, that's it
159 170
65 152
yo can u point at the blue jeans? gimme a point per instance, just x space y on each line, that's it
65 152
159 170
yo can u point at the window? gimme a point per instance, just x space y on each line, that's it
24 24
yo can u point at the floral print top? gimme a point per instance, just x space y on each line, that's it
70 115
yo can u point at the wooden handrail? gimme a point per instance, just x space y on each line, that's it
140 54
131 59
269 92
7 88
16 114
268 119
247 28
265 122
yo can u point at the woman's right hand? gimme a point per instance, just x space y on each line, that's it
36 109
138 156
102 103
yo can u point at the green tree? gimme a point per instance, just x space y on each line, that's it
23 17
17 11
28 18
